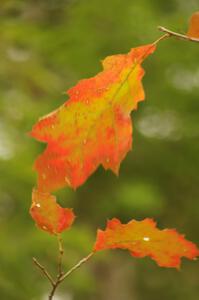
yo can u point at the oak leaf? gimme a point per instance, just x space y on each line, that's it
142 238
194 26
94 126
49 215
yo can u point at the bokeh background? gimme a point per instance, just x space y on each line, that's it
46 46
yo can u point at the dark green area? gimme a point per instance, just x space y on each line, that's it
45 48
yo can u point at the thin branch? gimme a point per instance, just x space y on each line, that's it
61 253
53 290
81 262
62 277
178 35
43 270
163 37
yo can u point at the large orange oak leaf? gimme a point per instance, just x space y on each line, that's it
193 30
142 238
49 215
94 126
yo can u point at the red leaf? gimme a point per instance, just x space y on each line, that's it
142 238
94 126
48 215
194 26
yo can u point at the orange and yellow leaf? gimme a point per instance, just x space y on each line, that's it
142 238
49 215
94 126
194 26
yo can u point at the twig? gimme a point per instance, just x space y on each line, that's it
61 253
165 36
62 277
178 35
43 270
81 262
53 290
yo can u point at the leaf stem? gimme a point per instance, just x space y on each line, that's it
176 35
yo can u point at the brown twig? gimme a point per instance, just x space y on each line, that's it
81 262
61 253
60 278
43 270
163 37
178 35
53 290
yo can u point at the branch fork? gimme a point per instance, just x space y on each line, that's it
61 275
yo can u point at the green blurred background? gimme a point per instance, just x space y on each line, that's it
45 48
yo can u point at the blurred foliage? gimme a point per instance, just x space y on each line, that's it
46 47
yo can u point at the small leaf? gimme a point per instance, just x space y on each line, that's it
49 215
194 26
94 126
142 238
